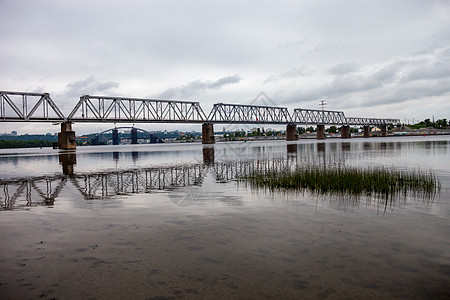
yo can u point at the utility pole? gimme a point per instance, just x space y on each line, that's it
322 104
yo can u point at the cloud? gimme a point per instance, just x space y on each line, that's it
353 53
291 73
198 86
436 67
89 86
420 76
343 68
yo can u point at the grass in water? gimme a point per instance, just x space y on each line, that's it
377 182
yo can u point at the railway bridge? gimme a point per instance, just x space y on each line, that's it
39 107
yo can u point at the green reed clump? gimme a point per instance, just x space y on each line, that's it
349 181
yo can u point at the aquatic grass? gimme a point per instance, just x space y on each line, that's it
378 182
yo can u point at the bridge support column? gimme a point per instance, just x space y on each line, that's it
66 138
320 135
208 134
383 130
291 132
153 139
345 132
366 131
134 136
115 136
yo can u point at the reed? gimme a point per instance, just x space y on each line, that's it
379 182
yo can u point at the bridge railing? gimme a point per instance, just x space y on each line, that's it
113 109
248 114
22 106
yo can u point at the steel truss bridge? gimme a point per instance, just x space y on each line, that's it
39 107
150 135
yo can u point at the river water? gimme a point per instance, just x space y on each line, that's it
170 221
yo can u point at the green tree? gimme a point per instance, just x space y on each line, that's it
332 129
441 123
301 130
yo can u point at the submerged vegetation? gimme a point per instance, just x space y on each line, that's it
378 182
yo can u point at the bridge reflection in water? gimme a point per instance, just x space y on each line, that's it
44 190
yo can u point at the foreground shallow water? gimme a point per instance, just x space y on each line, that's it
170 221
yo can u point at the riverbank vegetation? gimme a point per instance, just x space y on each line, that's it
377 182
6 144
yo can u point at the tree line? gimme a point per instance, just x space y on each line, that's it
440 123
6 144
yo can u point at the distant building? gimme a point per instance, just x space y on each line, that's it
13 133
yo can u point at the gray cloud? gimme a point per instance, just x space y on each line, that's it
89 86
353 54
198 86
343 68
67 98
438 67
424 75
291 73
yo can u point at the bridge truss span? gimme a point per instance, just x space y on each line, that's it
313 116
28 107
115 109
371 121
249 114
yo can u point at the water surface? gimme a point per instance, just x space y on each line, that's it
170 221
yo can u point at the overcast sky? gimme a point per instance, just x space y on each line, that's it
386 59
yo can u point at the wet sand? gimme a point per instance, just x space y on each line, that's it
145 247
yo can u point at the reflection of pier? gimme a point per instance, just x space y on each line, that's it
20 193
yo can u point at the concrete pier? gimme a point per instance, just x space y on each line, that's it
134 136
366 131
345 132
383 130
66 138
291 132
320 135
115 136
208 134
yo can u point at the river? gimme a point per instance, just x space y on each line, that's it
168 221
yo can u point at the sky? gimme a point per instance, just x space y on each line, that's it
380 59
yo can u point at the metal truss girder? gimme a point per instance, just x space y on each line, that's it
371 121
114 109
11 111
249 114
313 116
